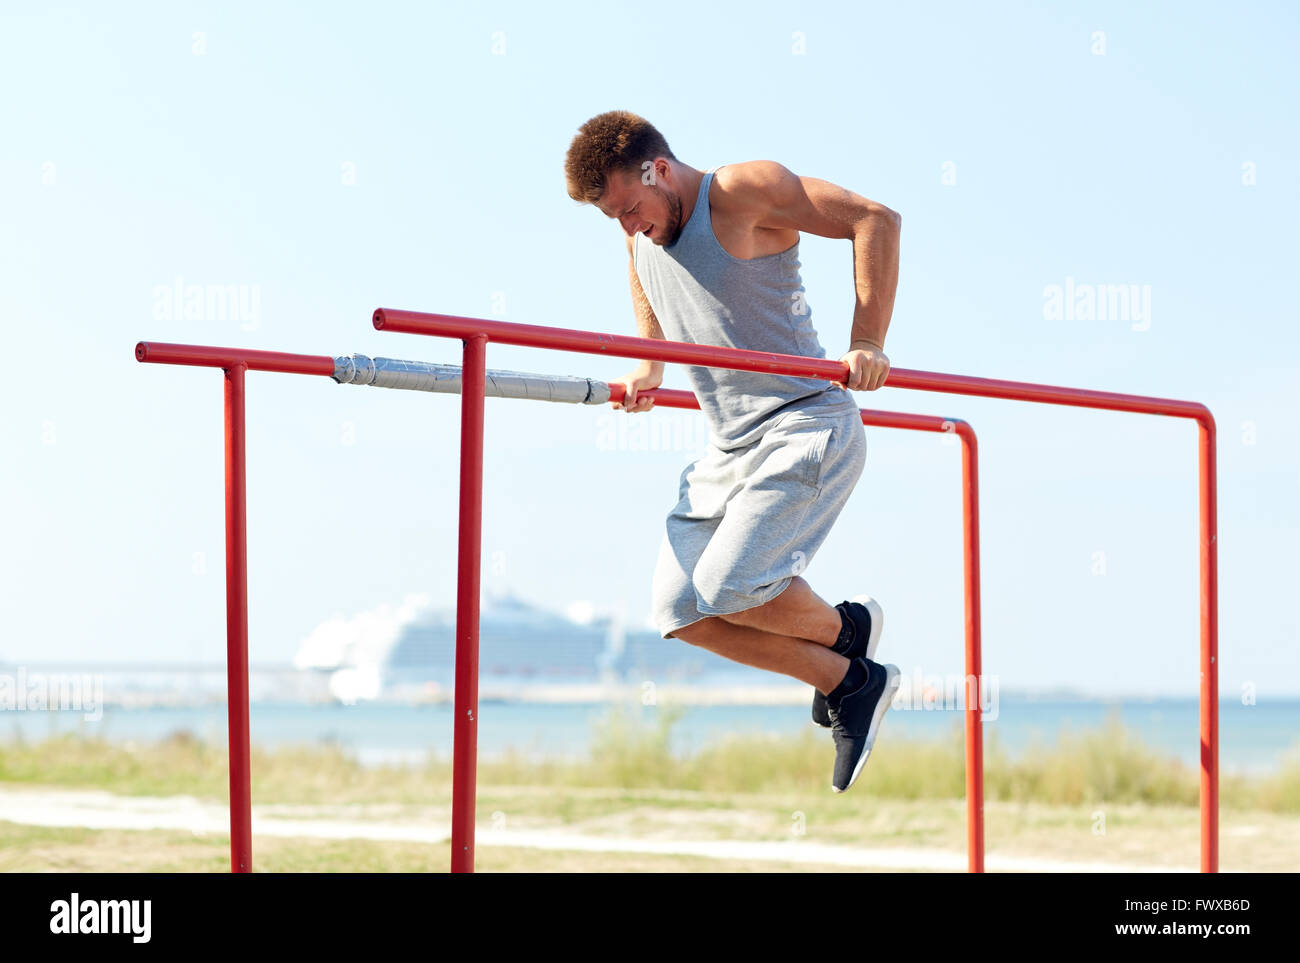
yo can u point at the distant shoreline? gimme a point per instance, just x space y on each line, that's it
140 684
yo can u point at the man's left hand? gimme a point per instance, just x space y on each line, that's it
868 368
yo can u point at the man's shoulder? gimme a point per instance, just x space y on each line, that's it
750 184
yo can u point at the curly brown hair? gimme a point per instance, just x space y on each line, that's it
617 140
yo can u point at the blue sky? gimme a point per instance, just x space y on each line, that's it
328 160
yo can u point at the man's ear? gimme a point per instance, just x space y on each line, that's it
656 172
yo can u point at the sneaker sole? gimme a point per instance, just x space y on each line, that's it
877 622
877 627
893 678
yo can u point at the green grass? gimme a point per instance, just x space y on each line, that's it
1109 765
1043 802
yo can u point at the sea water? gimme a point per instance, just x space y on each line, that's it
1252 739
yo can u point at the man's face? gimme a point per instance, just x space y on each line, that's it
654 210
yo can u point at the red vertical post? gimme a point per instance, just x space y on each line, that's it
974 724
1209 647
241 804
465 736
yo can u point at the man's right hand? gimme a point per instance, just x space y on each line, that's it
647 376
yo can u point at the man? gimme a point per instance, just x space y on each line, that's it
713 259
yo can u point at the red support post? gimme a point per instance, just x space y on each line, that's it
465 736
1209 646
974 672
241 811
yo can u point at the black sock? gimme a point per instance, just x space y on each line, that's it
853 680
847 633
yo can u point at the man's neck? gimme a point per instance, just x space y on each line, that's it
689 180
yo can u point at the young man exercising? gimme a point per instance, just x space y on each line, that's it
714 259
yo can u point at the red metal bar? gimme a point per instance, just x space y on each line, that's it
654 349
241 804
197 354
465 736
651 349
970 518
1043 394
1209 648
672 398
1209 579
235 361
617 345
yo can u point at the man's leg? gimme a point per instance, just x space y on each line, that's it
796 481
806 661
798 612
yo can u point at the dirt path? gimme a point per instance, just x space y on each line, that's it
95 809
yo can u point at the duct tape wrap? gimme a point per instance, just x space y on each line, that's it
358 369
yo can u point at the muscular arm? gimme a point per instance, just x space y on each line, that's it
648 374
647 325
777 199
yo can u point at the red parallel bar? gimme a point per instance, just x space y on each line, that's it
1043 394
971 572
465 735
672 398
616 345
156 352
241 803
650 349
235 362
653 349
1209 574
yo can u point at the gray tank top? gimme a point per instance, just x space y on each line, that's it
702 295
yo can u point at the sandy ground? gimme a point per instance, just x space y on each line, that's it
94 809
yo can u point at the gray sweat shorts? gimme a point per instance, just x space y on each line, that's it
748 520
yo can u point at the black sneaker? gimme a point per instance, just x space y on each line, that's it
868 622
856 721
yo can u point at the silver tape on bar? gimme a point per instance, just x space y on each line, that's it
358 369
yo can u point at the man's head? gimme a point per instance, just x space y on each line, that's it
621 164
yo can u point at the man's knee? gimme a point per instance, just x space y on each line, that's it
697 632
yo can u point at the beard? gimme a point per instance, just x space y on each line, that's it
671 230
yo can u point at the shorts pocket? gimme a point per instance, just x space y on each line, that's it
815 458
793 451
